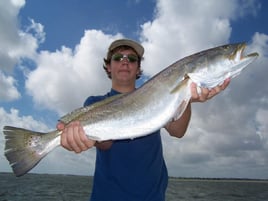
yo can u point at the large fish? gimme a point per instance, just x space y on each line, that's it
141 112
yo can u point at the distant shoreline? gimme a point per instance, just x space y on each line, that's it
170 178
218 179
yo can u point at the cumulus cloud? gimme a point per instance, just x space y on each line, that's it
71 73
173 34
16 44
184 27
8 90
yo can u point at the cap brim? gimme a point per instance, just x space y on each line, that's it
131 43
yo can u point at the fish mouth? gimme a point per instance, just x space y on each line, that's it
254 54
240 52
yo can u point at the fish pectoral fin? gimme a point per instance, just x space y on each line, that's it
180 110
183 92
91 137
180 86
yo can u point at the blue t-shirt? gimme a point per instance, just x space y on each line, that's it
131 170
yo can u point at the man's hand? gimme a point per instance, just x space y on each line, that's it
207 94
73 137
178 128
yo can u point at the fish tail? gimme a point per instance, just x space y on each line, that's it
25 148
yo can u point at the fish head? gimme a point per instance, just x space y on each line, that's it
235 57
215 65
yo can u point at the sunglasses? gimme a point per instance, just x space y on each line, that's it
132 58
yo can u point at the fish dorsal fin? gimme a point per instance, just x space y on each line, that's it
82 110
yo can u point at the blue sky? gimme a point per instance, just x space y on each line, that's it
51 60
74 17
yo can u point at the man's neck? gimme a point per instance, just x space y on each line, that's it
123 88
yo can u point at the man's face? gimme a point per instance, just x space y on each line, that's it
123 66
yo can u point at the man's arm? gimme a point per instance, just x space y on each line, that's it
178 128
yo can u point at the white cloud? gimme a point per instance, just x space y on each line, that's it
37 31
173 34
7 91
262 126
184 27
18 3
66 73
8 34
16 44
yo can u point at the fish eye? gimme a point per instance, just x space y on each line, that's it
226 47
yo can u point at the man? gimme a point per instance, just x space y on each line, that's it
129 170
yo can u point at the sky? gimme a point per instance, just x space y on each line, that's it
51 60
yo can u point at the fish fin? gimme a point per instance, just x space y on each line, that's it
183 90
82 110
24 148
180 110
94 138
180 85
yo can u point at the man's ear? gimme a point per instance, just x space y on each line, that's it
138 71
108 66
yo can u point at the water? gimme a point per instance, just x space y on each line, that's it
42 187
217 190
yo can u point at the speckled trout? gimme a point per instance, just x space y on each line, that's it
160 100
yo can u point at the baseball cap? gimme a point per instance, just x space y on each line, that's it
127 42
